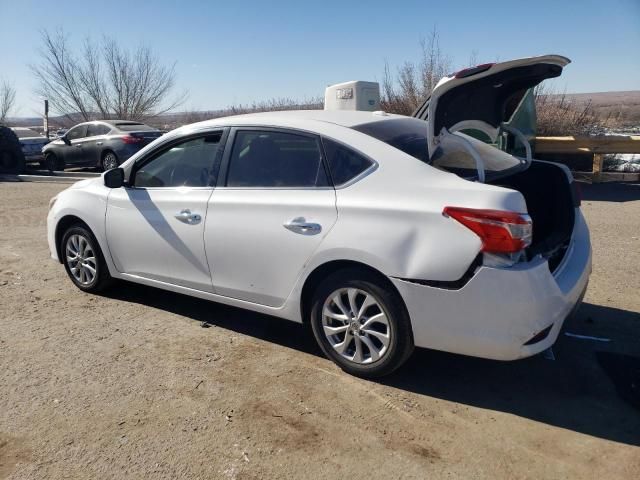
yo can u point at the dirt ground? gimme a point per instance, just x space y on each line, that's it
130 385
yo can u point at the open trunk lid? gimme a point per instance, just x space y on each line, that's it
484 97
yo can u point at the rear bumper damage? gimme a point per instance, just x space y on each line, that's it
502 313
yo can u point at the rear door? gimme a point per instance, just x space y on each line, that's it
92 144
271 210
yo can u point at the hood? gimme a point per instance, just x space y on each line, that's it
484 96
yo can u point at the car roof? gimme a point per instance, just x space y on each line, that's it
344 118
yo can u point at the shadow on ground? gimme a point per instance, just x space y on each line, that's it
610 192
589 388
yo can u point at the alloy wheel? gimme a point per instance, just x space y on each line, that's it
110 161
356 326
81 259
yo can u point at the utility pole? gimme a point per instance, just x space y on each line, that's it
46 118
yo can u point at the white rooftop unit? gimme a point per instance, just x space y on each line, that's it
355 95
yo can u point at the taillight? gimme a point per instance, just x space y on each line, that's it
500 231
128 139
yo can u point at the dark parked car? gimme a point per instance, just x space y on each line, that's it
31 143
104 143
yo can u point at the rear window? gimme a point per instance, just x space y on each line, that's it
452 156
133 127
406 134
410 136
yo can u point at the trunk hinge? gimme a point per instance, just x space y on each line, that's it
468 146
520 136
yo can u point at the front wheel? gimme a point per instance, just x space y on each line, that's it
361 323
53 163
83 260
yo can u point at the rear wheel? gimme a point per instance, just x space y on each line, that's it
361 323
83 260
109 160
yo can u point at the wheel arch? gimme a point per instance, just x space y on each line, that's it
62 226
328 268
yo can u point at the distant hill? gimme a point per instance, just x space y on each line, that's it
626 104
623 105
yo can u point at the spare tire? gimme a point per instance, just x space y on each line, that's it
11 156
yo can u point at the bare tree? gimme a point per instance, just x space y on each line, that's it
415 80
559 114
7 100
103 80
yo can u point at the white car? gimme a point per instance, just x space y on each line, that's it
380 231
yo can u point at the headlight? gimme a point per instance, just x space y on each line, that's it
52 202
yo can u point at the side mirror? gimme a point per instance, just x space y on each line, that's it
114 178
65 140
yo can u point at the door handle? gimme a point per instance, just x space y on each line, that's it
301 226
79 145
187 217
98 143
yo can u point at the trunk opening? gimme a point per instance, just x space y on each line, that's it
550 203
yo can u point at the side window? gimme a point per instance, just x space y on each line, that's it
275 159
344 163
94 129
186 164
77 132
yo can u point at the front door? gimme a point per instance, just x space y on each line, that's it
72 151
269 214
155 226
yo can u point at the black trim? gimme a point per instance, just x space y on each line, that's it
540 336
450 284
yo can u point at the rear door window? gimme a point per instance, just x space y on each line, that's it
269 159
97 129
344 163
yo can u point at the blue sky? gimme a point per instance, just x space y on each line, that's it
237 52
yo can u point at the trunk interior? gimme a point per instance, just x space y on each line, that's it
551 205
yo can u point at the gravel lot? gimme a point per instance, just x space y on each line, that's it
130 384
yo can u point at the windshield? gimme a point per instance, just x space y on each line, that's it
404 133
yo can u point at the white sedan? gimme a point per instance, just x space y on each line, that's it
382 232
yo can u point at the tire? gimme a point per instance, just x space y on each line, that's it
357 286
53 163
11 156
109 160
76 240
